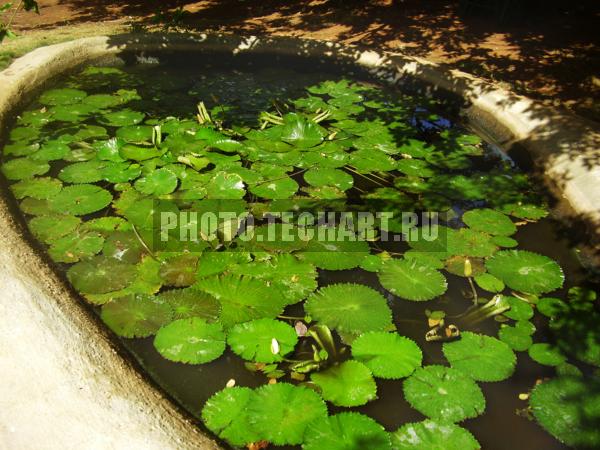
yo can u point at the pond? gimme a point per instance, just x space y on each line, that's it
301 257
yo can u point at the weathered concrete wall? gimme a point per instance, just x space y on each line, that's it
64 386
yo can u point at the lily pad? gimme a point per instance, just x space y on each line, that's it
346 431
187 303
24 168
412 280
123 118
517 338
489 282
484 358
136 316
135 133
64 96
281 188
444 393
526 271
192 341
75 246
280 413
225 185
349 308
519 309
387 355
332 254
489 221
546 354
569 409
347 384
329 177
433 435
262 340
80 200
158 182
225 414
100 274
50 228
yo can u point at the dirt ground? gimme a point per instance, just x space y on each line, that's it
544 49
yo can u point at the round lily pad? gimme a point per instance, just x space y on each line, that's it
489 282
225 414
123 118
519 309
443 393
192 341
525 271
280 413
75 246
517 338
551 306
433 435
387 355
546 354
412 280
329 177
82 172
135 133
489 221
80 200
281 188
158 182
347 384
186 303
262 340
225 185
349 308
484 358
135 315
50 228
346 431
24 168
332 254
100 274
569 409
51 151
64 96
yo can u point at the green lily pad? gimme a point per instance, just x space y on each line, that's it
489 221
519 309
180 270
329 177
192 341
225 185
243 298
569 409
412 280
551 306
433 435
102 101
51 151
526 211
75 246
225 414
525 271
24 168
123 118
281 188
387 355
136 316
50 228
300 132
38 188
158 182
135 133
372 263
62 97
280 413
80 200
516 338
187 303
346 431
504 241
82 172
415 168
100 274
331 254
546 354
489 282
23 148
262 340
349 308
444 393
347 384
484 358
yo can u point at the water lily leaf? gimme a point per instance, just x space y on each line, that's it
387 355
519 309
24 168
517 338
412 280
225 414
186 303
433 435
347 384
365 161
50 228
225 185
349 308
280 413
75 246
469 242
372 263
253 340
283 187
72 113
551 307
158 182
464 266
115 172
179 271
122 245
139 152
301 132
36 119
444 393
415 168
504 241
192 341
100 274
568 408
135 316
546 354
80 199
489 282
51 151
489 221
38 188
329 177
123 118
23 148
62 97
526 211
525 271
331 254
484 358
346 431
102 101
82 172
243 298
135 133
35 207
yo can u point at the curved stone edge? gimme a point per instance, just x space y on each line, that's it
60 389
